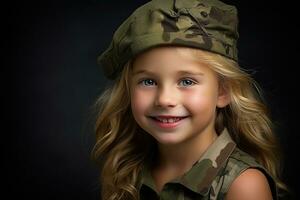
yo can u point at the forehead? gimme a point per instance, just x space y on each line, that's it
170 58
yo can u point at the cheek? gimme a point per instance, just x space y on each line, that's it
139 102
203 101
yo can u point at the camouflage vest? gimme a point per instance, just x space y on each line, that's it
209 178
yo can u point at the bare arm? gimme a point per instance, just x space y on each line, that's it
252 184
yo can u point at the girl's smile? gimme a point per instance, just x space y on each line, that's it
168 121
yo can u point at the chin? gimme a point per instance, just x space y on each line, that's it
168 139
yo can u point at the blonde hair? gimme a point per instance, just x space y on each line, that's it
122 147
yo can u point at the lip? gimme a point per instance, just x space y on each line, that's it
167 125
168 116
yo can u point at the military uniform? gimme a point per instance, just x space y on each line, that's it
209 178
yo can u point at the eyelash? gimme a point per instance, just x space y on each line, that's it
193 82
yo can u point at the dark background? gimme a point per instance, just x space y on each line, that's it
50 80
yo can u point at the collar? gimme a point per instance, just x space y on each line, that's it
205 169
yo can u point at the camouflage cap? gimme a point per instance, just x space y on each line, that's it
205 24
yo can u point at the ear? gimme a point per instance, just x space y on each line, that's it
223 96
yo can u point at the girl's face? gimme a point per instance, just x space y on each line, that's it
173 96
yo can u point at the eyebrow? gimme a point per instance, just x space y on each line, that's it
143 72
181 72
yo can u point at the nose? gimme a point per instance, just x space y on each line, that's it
166 97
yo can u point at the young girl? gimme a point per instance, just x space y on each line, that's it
182 119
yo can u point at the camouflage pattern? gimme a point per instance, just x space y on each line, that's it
205 24
209 178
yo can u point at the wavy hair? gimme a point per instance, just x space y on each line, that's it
122 147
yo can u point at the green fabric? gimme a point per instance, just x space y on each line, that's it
209 178
205 24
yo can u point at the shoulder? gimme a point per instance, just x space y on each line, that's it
242 158
251 184
245 175
238 162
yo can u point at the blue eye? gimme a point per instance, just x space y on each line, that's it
147 82
187 82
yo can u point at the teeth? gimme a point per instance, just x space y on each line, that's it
171 120
168 120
